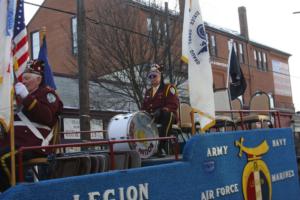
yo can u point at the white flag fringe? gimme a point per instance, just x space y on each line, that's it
7 17
195 53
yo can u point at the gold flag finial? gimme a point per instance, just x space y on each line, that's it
43 32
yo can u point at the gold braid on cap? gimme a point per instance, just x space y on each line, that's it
157 66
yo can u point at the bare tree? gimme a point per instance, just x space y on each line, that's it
124 40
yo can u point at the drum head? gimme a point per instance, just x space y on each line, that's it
142 126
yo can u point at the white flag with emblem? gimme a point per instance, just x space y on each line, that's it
195 53
7 17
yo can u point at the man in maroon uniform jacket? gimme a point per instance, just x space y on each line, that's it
161 101
33 124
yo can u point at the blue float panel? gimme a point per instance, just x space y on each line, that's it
229 166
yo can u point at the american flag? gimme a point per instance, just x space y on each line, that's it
20 50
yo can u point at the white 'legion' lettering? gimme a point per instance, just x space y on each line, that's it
130 193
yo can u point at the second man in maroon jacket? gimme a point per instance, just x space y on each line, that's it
161 102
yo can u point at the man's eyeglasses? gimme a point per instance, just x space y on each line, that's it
152 76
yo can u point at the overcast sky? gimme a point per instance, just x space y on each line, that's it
270 22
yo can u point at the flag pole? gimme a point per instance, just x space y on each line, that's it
19 32
12 135
228 74
228 63
12 142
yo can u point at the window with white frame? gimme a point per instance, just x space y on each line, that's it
35 44
241 99
241 53
213 46
149 24
235 48
158 27
229 45
265 65
74 36
272 103
259 60
206 35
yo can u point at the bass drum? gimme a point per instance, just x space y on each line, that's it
136 125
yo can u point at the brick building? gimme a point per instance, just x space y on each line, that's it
264 68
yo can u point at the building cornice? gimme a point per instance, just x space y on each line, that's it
239 37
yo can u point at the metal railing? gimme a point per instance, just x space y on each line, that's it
276 114
110 143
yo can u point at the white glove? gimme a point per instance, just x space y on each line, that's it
21 90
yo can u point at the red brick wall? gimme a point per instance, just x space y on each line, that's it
63 62
58 31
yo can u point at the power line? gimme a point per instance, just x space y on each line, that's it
49 8
94 21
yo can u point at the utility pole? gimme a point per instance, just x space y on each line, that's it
84 103
168 42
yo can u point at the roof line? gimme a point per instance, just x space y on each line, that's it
245 40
